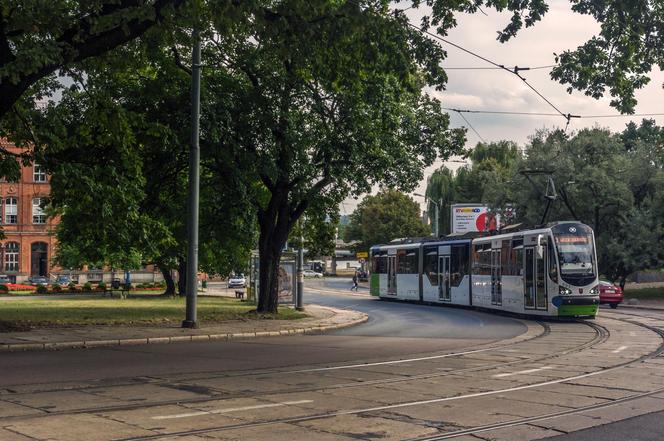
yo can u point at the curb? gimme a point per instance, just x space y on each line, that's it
85 344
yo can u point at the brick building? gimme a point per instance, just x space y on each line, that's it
29 242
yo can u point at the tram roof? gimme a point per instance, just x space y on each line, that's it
509 229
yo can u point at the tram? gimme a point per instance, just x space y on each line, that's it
547 271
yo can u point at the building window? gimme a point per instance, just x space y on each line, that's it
39 173
38 215
11 257
11 210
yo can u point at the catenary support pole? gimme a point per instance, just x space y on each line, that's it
192 205
300 275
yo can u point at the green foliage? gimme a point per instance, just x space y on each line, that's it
101 286
612 182
318 229
87 287
37 38
440 194
388 215
41 289
4 289
620 58
55 287
483 181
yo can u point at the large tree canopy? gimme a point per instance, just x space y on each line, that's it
39 37
386 216
326 100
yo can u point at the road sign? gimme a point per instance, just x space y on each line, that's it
362 254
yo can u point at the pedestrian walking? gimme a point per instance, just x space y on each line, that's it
354 282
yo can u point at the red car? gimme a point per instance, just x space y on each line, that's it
610 293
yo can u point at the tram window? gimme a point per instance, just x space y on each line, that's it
476 258
553 270
375 264
459 264
407 262
431 265
517 261
505 267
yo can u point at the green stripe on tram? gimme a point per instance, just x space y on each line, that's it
373 287
574 310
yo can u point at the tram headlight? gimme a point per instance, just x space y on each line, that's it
594 291
564 291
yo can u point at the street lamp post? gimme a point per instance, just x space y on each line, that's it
194 163
437 205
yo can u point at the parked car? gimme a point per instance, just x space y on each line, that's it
38 280
63 280
610 294
4 279
238 281
312 273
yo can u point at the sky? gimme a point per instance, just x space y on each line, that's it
560 29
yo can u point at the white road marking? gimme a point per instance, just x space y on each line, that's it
527 371
229 409
620 349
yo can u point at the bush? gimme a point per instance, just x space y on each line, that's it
72 287
126 286
4 289
56 287
41 289
87 287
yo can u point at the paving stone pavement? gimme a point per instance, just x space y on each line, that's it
538 385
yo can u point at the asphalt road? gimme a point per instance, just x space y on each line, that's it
393 331
399 319
648 427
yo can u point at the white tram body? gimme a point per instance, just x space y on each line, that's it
548 271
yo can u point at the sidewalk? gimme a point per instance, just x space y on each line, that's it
322 319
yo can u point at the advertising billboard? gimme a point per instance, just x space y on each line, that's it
467 218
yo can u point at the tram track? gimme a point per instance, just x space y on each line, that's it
533 419
466 431
601 335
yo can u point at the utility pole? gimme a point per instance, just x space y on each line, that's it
192 205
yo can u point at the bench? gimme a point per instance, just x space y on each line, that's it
239 295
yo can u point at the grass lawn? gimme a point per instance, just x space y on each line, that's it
143 310
645 293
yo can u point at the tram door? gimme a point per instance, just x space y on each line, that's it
392 275
496 276
535 295
540 279
444 278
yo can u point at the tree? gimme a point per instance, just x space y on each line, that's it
612 182
37 38
441 194
132 112
492 165
326 100
386 216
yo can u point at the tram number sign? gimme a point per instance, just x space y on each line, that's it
362 254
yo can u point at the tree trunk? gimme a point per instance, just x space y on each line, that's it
270 247
168 278
182 277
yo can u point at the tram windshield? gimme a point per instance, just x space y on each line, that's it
576 253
